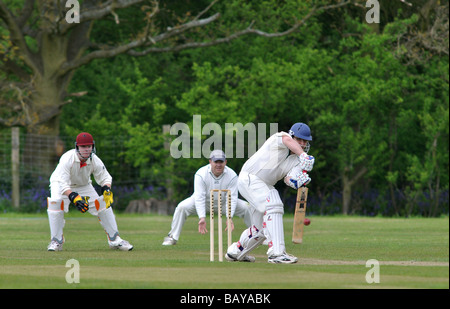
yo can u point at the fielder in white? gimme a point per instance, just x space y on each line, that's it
215 175
71 184
282 156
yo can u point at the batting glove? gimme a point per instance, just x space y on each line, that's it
302 180
306 162
80 202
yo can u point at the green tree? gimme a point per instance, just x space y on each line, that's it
44 44
48 49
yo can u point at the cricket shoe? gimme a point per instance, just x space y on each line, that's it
232 258
283 258
54 246
169 241
120 244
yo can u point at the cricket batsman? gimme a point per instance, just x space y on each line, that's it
280 157
71 184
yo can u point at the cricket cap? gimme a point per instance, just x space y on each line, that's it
217 155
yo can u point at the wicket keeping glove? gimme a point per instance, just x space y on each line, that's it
107 195
80 202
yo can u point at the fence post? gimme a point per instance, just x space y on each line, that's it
169 163
15 163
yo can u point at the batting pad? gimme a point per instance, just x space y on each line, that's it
97 206
56 204
108 222
273 222
274 232
57 222
274 204
249 240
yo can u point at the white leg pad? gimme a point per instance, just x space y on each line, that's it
56 204
108 222
96 206
273 223
56 207
250 239
275 232
57 222
274 202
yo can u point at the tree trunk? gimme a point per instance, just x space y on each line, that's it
346 194
42 139
347 184
41 153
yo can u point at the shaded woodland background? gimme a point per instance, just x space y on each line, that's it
375 95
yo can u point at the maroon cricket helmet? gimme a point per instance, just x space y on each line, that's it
84 138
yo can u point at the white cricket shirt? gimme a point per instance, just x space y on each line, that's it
204 181
70 174
272 162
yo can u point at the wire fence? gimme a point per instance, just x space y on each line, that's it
38 156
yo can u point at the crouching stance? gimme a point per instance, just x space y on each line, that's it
215 175
71 184
282 156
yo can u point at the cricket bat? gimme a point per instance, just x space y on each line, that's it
299 215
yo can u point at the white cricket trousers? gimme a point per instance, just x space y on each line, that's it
186 208
266 215
56 217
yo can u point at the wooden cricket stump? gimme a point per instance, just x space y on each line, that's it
219 222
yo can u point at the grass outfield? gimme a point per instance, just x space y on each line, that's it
412 253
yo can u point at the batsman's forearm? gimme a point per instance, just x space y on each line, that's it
292 145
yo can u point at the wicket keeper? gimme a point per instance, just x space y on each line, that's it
71 183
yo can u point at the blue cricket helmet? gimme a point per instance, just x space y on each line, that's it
301 130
